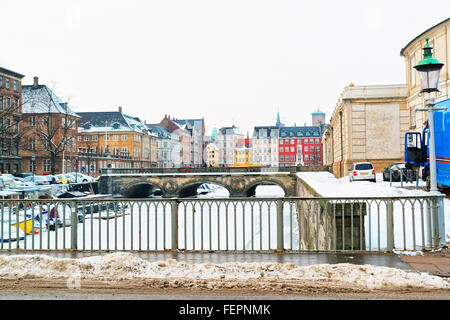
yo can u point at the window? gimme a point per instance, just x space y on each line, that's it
115 137
86 138
1 81
311 141
281 141
46 165
8 103
292 141
124 137
94 138
32 166
281 158
292 149
281 149
317 141
7 83
79 138
413 71
306 157
16 104
124 150
106 137
306 141
16 87
306 149
32 142
292 158
1 103
317 149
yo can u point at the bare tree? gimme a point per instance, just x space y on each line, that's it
49 128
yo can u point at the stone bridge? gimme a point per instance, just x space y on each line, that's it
179 185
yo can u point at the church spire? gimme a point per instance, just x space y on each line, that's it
278 123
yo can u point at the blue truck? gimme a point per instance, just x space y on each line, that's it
417 149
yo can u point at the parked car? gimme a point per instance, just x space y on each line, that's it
23 174
399 172
7 183
362 171
24 182
53 179
79 177
38 180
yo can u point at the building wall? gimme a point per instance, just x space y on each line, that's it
440 41
30 136
368 124
10 160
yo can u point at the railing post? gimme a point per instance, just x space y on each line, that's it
439 221
390 226
74 225
174 219
280 226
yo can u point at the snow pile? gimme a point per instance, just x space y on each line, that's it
126 266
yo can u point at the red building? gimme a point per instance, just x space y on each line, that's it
300 146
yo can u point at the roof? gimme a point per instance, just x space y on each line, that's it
40 99
256 130
306 131
11 73
230 130
422 34
101 121
162 132
318 112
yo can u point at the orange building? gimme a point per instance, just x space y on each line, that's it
116 140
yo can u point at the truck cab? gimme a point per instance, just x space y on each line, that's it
417 147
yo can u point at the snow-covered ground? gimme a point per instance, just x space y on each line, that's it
329 186
126 266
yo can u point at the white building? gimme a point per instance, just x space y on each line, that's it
226 142
265 145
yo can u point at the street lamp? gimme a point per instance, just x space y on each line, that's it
429 69
33 163
76 172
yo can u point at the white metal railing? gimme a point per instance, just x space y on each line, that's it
228 224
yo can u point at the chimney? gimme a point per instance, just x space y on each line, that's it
35 82
120 109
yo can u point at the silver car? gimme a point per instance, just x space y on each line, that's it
361 171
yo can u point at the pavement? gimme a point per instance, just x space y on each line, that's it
434 263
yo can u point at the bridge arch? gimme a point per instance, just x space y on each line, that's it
190 188
250 190
141 189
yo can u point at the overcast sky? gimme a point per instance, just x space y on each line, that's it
231 62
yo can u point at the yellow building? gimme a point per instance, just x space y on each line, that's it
211 155
243 152
439 39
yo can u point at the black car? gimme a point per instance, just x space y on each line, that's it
399 172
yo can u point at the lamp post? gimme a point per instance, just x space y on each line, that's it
33 163
429 69
76 172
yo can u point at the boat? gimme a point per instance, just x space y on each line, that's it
11 233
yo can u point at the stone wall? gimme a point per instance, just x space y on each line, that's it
323 226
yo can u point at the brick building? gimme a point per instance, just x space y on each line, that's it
48 131
10 116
